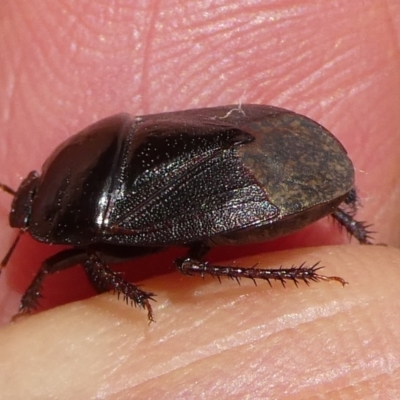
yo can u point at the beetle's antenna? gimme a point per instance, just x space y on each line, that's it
5 260
7 189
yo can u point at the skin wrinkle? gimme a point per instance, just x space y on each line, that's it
343 371
392 27
240 339
15 62
12 64
148 41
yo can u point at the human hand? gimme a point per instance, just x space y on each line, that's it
66 66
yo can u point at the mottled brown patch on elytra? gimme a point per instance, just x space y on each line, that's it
298 162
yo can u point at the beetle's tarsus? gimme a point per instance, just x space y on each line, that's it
20 314
332 278
30 300
147 305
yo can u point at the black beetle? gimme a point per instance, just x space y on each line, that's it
128 186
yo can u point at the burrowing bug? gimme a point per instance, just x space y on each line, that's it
128 186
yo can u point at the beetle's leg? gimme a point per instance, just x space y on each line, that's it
193 266
103 278
99 274
60 261
358 229
355 228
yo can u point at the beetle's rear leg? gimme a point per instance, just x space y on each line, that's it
103 278
193 266
357 229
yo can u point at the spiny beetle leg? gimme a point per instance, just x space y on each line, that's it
189 266
103 278
345 217
357 229
60 261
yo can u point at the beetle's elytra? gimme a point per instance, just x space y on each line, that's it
128 186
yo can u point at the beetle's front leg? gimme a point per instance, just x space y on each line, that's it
193 266
60 261
103 278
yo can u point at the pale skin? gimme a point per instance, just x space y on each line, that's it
67 64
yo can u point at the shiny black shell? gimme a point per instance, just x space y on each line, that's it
222 175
